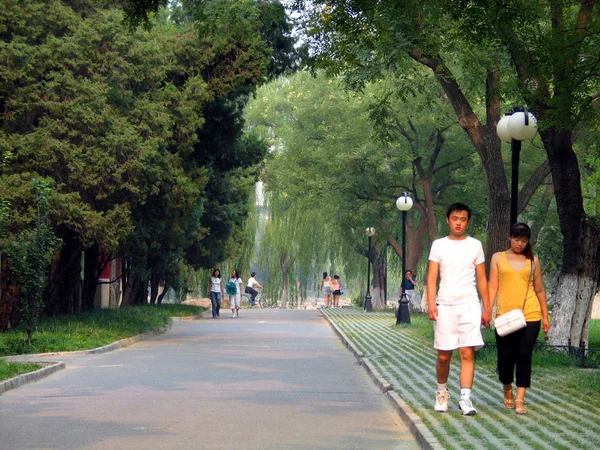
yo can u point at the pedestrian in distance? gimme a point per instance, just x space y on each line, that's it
234 289
336 286
511 278
216 289
408 287
459 261
326 288
250 288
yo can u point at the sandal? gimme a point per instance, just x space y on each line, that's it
522 409
508 402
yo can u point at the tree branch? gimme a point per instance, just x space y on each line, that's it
527 191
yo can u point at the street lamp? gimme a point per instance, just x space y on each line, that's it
370 232
516 126
404 204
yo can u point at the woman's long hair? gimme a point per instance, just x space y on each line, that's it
522 230
324 275
214 273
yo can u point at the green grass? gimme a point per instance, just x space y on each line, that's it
91 330
9 370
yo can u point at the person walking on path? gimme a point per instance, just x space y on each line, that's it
408 286
511 278
216 289
336 286
326 288
250 288
459 260
235 298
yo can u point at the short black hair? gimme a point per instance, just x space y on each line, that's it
458 207
253 274
337 277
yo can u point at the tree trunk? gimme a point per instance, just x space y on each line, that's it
154 283
63 293
379 268
581 244
90 277
9 298
115 284
163 293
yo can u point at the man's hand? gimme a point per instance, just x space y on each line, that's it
486 318
433 312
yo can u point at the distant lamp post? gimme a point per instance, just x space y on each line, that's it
370 232
516 126
404 204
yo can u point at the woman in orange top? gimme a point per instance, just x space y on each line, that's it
510 275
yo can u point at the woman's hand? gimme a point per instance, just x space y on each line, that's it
545 325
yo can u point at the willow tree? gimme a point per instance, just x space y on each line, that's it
332 161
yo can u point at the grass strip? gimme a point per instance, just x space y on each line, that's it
91 330
12 369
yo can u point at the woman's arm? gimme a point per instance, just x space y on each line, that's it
493 283
540 292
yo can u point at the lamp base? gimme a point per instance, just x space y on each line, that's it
403 316
368 307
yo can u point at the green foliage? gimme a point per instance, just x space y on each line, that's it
30 257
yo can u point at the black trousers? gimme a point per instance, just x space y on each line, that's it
253 293
515 350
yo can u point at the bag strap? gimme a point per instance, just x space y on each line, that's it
528 284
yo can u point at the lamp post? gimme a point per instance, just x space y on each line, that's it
404 204
370 232
516 126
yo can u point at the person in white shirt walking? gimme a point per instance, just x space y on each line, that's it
459 261
235 299
216 289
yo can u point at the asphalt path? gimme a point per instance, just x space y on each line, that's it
270 379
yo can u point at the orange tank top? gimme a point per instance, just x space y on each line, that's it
513 285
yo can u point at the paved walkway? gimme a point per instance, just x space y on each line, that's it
558 417
271 379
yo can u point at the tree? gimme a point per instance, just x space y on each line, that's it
548 54
30 257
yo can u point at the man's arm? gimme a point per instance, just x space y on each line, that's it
432 276
482 287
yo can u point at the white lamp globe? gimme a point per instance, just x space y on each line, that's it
404 203
517 128
502 129
370 231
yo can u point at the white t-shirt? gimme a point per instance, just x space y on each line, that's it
251 282
215 284
237 282
457 260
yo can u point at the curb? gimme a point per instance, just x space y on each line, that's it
53 366
19 380
187 318
422 434
349 344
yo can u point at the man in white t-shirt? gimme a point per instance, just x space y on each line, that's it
460 263
250 288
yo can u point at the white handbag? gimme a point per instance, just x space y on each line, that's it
513 320
510 322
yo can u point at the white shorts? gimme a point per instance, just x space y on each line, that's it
458 326
234 301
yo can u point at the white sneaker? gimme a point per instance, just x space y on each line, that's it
466 406
233 315
441 401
